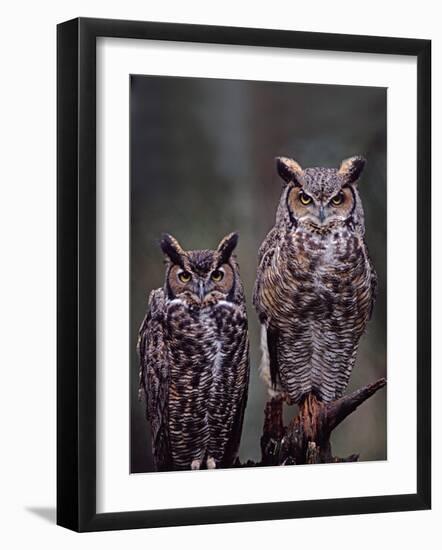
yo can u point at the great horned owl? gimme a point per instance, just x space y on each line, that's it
194 358
315 286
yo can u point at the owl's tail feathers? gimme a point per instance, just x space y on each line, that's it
267 370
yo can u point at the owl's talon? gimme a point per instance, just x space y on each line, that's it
196 464
211 464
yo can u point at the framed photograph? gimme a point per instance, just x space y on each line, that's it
243 274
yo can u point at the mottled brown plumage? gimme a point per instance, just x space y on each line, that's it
315 285
194 358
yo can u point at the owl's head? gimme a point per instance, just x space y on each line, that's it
322 197
201 277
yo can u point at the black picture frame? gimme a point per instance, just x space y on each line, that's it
76 274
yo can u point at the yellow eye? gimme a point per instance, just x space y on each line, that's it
304 198
184 276
338 199
217 276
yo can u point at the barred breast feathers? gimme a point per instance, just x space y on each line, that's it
320 308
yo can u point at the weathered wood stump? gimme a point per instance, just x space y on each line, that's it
306 440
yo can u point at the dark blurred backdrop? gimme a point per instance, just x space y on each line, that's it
202 165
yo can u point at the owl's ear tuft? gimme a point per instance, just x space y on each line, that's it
289 170
172 249
227 246
351 168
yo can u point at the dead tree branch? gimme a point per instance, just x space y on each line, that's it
306 440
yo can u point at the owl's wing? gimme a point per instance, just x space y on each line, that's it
269 343
154 379
374 286
232 447
265 257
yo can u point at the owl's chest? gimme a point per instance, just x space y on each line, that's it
196 336
319 255
188 328
310 272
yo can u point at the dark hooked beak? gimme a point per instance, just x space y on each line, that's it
201 291
321 214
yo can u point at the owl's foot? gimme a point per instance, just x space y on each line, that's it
196 464
211 464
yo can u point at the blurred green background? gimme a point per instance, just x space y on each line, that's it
202 165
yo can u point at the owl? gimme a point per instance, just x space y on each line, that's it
316 285
194 358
